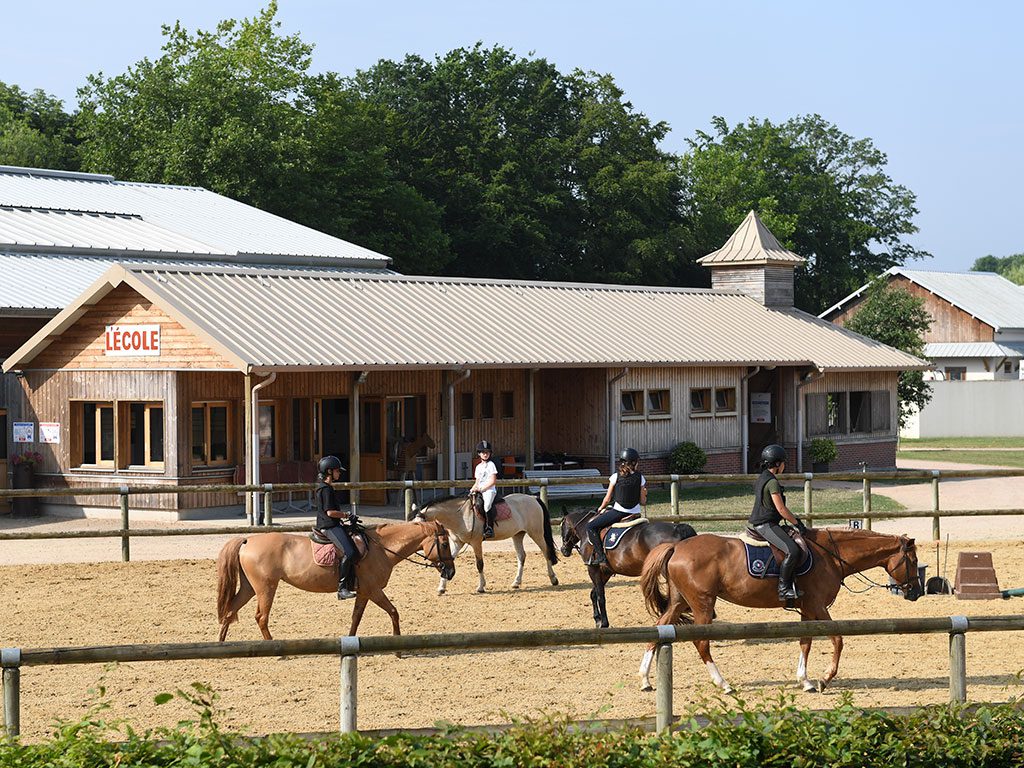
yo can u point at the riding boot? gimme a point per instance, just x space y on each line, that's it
597 557
489 517
787 588
344 579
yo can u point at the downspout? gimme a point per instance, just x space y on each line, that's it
806 379
744 409
612 420
255 421
355 431
451 421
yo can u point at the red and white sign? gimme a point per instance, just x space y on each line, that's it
132 341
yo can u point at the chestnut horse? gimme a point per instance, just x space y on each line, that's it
706 567
626 558
530 517
261 561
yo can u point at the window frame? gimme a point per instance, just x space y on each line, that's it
726 411
955 372
78 424
664 411
487 406
124 416
508 398
207 406
276 432
467 399
638 398
707 411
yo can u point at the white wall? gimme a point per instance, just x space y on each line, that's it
971 409
978 369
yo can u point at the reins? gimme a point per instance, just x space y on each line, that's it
843 563
578 546
424 557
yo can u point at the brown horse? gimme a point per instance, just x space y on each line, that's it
626 558
706 567
260 562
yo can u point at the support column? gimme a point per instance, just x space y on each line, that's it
250 513
531 407
354 418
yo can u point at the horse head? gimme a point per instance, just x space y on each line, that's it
571 522
902 566
437 549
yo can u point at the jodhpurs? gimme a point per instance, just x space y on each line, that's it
774 534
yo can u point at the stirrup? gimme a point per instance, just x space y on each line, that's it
488 532
598 558
345 594
789 592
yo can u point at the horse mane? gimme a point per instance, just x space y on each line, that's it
441 500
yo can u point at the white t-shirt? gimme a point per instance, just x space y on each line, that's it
611 484
484 470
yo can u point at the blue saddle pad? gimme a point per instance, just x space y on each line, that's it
761 562
614 536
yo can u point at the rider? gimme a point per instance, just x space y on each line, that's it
486 477
628 487
328 521
769 510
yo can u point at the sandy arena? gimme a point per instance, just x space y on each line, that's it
94 604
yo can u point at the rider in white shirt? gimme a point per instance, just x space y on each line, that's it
486 477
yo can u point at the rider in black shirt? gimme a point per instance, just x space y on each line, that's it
627 488
769 511
328 521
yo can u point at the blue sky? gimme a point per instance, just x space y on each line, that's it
936 85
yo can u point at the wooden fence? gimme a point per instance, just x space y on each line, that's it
125 532
349 649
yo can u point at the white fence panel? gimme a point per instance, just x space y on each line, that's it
971 409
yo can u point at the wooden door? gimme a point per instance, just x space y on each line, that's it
372 449
5 505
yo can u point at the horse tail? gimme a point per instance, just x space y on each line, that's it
228 573
549 540
656 566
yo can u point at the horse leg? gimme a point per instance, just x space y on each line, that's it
245 594
456 546
357 612
517 542
599 577
538 539
703 612
264 600
478 550
801 666
837 651
381 599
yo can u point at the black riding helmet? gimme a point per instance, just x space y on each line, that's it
772 456
484 445
327 463
629 455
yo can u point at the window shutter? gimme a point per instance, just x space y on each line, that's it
880 417
817 419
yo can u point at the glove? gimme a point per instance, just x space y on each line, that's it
800 526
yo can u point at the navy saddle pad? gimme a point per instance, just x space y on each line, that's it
614 536
761 562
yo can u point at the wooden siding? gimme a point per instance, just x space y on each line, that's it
771 285
82 345
949 322
571 415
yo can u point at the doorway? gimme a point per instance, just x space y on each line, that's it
5 504
330 434
372 447
764 415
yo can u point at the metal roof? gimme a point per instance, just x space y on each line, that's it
973 349
288 319
751 243
195 215
985 295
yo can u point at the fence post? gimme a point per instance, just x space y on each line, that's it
866 497
125 538
958 659
663 693
349 683
674 495
268 505
410 497
808 505
544 491
10 660
936 535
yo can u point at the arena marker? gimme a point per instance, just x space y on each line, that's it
666 633
959 623
10 657
349 645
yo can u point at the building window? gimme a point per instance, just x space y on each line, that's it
956 373
97 432
860 412
725 400
842 413
835 413
508 405
631 404
466 405
145 434
210 432
700 401
267 425
659 403
487 405
3 435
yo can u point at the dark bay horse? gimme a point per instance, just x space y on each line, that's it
530 517
706 567
254 565
626 558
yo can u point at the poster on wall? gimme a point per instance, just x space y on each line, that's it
49 432
24 431
760 407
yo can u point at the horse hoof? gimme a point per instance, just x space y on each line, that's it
481 591
810 687
554 582
727 689
646 687
441 591
821 686
515 586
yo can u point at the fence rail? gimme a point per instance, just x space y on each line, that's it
350 648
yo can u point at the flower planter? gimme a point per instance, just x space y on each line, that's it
819 466
25 477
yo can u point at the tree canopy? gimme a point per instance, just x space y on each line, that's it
1011 267
35 131
892 315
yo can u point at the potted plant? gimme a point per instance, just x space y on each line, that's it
823 452
25 477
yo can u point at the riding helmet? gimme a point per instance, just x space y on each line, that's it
629 455
772 455
327 463
484 445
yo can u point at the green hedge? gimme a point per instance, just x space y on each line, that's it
775 733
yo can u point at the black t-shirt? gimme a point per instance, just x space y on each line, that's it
326 498
764 510
627 490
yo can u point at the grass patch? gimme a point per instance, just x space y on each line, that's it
989 458
908 444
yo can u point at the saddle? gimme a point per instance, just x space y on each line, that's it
502 511
326 554
612 535
762 564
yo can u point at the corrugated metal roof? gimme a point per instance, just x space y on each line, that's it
987 296
224 225
973 349
751 243
53 281
284 318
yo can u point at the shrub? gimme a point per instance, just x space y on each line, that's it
687 459
823 450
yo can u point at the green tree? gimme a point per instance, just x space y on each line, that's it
539 174
823 193
1011 267
35 131
893 316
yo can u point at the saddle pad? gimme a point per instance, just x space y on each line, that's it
617 530
325 555
761 562
502 511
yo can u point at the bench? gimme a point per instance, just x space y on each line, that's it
588 490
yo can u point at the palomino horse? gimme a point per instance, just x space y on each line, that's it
626 558
706 567
529 517
261 561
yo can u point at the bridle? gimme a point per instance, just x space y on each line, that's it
440 534
905 585
575 528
